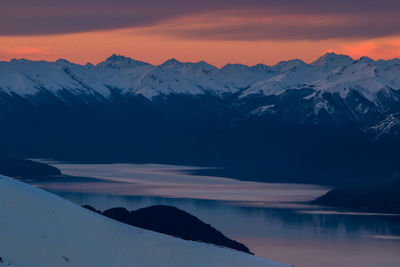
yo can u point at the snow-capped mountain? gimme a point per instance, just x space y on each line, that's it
329 74
147 111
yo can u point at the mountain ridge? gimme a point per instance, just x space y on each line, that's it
330 73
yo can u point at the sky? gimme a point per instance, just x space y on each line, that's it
217 31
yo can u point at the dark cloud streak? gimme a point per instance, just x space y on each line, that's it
369 19
356 29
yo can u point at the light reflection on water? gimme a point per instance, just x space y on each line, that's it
271 219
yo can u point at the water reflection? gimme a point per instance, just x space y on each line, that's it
266 217
176 182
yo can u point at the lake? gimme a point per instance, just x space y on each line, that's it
275 220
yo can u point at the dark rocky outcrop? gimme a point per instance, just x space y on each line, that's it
382 197
172 221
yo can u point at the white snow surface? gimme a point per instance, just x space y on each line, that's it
40 229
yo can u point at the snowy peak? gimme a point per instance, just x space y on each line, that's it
175 77
172 62
118 61
331 61
205 65
366 60
290 65
115 57
62 61
194 66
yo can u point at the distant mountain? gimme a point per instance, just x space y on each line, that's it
334 120
382 197
172 221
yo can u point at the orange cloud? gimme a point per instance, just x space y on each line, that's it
313 19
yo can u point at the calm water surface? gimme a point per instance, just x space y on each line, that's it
273 220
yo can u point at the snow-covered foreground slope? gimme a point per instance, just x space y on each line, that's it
41 229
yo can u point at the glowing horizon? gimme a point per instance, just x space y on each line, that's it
246 32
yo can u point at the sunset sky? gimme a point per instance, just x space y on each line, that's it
219 31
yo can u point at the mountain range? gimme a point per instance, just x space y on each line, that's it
332 121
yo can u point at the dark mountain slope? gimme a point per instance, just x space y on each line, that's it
382 197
